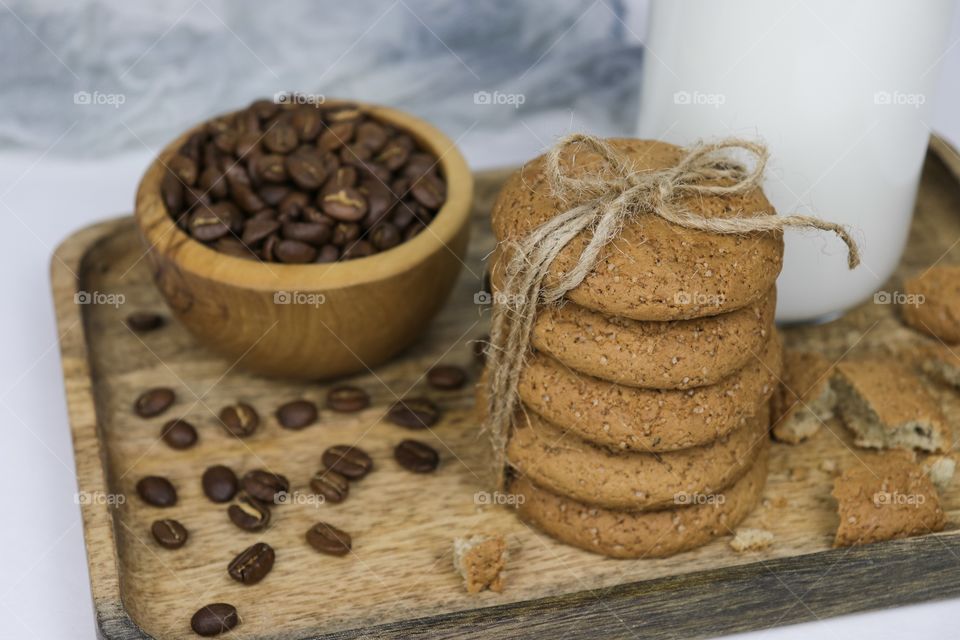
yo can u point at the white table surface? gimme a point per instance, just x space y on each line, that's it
44 591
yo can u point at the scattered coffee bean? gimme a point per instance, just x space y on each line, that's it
416 456
144 321
214 619
252 564
249 514
307 161
326 538
446 377
219 483
265 486
330 484
353 462
157 491
153 402
346 399
297 414
179 434
169 534
414 413
239 419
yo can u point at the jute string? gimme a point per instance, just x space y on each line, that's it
601 202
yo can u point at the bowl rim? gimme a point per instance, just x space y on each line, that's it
194 257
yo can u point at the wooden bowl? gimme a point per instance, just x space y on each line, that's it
311 321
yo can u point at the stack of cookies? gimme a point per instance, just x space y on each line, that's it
643 420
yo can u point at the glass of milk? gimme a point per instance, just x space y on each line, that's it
841 93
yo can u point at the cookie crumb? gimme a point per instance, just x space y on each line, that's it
940 470
805 398
828 466
480 560
798 474
751 540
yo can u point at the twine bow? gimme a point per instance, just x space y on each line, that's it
602 202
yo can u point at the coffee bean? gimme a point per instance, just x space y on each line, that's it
249 514
214 619
219 483
371 135
265 486
294 252
336 135
414 413
315 233
385 236
306 169
269 168
153 402
345 234
359 249
352 462
307 122
179 434
169 534
257 230
333 486
144 321
416 456
171 191
346 399
239 419
252 564
157 491
297 414
326 538
184 168
293 204
328 253
446 377
345 205
281 138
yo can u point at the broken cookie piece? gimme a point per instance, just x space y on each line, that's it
480 560
944 366
804 399
932 303
886 406
885 497
751 540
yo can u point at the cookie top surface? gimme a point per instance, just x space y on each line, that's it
642 534
567 465
654 270
932 305
637 419
885 497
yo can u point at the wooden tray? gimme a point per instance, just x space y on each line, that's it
400 582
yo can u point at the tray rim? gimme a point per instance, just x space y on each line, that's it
752 588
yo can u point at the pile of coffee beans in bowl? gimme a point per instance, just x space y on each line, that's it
300 182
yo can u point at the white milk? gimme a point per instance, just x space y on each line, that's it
840 90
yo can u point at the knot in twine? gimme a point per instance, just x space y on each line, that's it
602 201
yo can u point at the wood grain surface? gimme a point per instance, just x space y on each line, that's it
399 581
